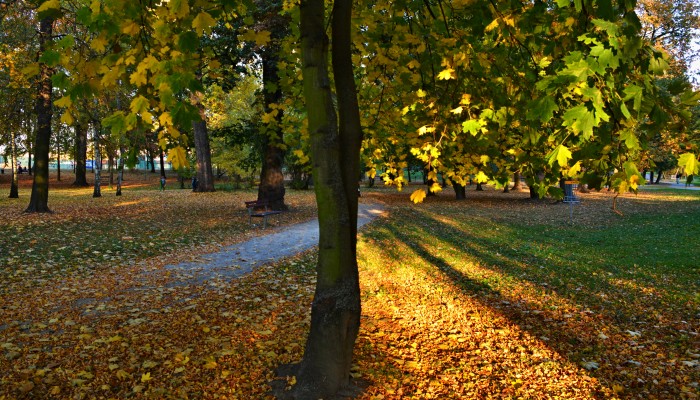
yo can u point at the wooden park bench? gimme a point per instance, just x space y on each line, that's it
259 209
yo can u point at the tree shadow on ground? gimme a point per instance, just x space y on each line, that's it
561 329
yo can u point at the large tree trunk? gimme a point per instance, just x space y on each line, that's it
81 135
271 187
335 312
39 201
205 176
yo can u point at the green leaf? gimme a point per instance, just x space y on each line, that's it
561 154
609 27
690 98
472 126
634 92
630 139
658 65
625 111
50 58
689 163
563 3
580 120
542 109
188 41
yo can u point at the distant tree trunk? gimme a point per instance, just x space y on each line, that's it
659 175
110 168
97 165
271 187
479 188
335 148
39 201
120 173
162 163
14 186
150 154
81 133
58 160
31 149
516 181
651 177
460 191
205 176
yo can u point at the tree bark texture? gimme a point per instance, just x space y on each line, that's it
205 176
335 148
271 187
39 201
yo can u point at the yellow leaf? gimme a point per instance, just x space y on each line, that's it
446 74
130 28
457 110
98 44
66 118
179 8
262 38
121 374
49 5
418 196
178 157
139 104
31 70
179 370
95 7
146 377
481 177
421 93
165 119
206 329
203 23
225 373
210 364
63 102
435 187
466 99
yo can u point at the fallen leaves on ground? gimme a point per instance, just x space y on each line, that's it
458 302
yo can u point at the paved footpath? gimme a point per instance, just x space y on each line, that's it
241 258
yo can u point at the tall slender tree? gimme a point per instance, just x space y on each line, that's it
39 200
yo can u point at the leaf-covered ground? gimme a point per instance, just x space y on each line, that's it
493 297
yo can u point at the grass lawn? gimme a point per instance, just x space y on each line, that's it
493 297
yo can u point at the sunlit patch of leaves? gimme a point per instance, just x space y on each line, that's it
503 297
